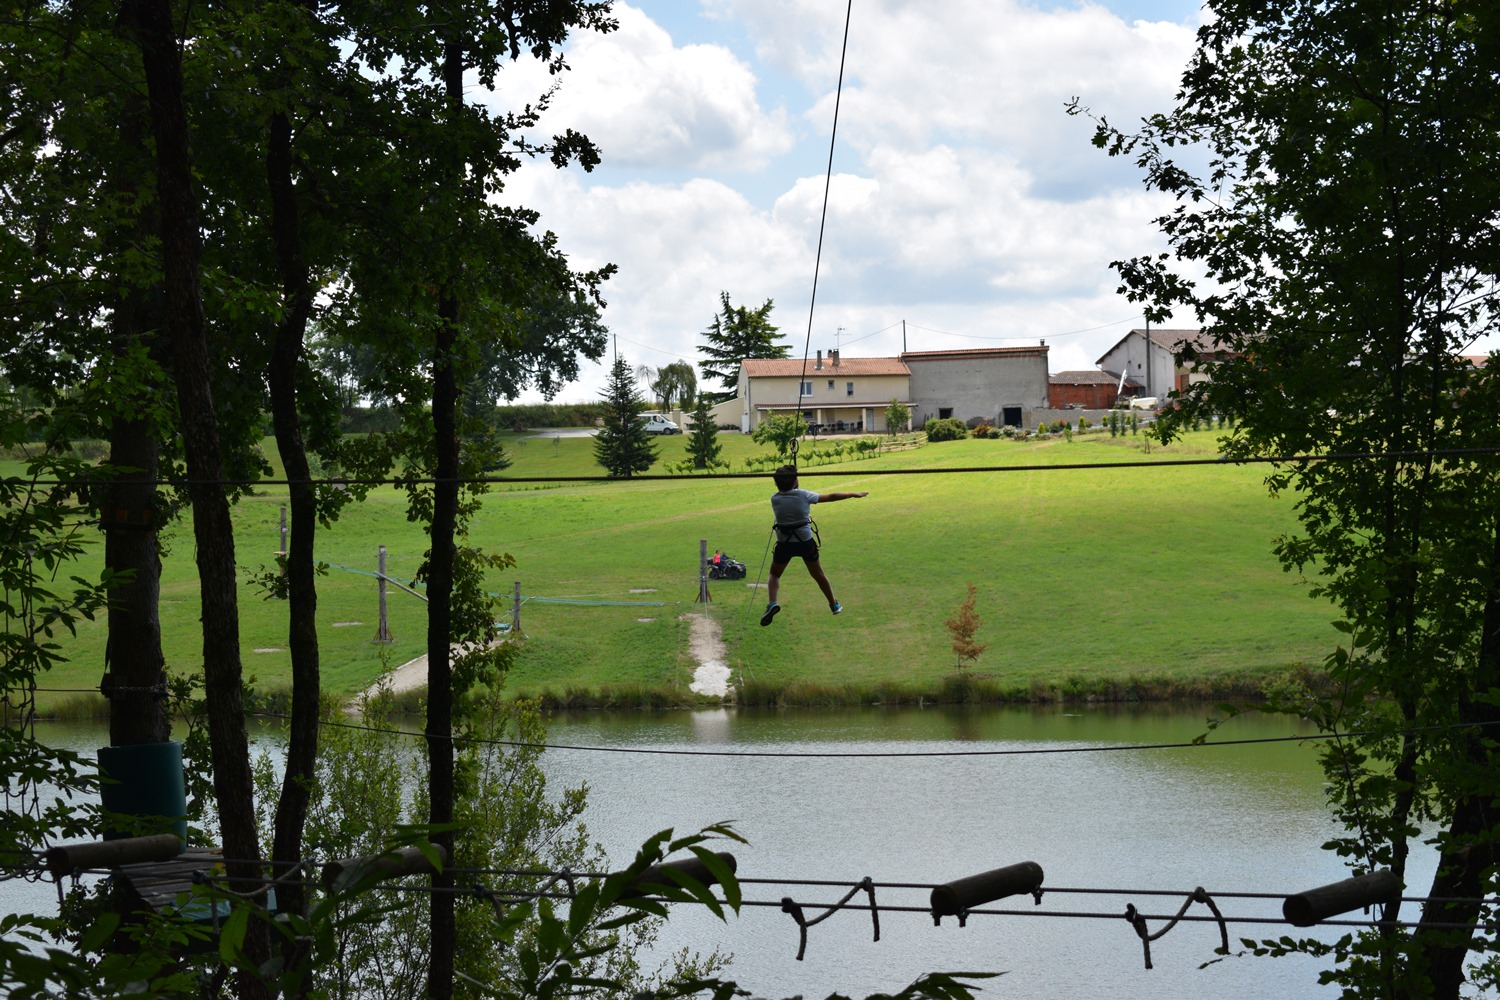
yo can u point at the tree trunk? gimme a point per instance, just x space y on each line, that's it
440 580
213 531
1469 856
302 593
135 680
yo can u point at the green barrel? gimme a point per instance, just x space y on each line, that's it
145 779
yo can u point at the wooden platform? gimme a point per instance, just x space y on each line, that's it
161 886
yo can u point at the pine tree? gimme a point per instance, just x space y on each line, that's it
622 445
737 333
704 445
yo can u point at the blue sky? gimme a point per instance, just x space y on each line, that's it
964 200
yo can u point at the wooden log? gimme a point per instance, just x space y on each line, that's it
409 860
693 866
1307 908
69 858
962 895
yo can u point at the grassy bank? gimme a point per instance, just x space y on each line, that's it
1103 583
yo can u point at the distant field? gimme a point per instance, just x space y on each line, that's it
1084 576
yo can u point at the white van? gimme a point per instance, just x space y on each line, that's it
659 423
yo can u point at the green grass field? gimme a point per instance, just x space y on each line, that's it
1088 579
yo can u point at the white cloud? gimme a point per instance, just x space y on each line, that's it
646 102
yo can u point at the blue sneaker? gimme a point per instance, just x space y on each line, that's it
771 610
836 608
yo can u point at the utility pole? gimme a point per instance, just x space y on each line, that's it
903 336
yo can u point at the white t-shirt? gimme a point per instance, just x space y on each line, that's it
794 507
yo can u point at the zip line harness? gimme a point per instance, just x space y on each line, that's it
786 532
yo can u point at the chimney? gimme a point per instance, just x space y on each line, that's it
819 365
834 354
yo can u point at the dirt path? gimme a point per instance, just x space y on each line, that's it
706 640
409 676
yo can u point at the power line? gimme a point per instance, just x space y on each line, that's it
658 350
1069 333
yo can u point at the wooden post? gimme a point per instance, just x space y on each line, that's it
515 610
703 597
281 552
383 630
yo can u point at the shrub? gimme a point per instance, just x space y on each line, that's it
995 433
897 416
964 623
948 429
1083 423
982 430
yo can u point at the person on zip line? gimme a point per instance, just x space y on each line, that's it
794 536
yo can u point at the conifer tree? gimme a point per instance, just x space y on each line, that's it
704 444
622 446
737 333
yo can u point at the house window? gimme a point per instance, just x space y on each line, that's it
830 383
848 388
944 412
807 388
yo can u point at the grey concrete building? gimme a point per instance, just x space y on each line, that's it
1001 385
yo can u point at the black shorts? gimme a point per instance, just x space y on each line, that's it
787 551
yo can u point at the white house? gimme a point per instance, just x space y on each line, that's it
838 395
1149 358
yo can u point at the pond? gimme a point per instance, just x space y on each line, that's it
1042 785
1102 798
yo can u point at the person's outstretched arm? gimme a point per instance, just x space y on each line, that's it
831 497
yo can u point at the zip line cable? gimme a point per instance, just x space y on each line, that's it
516 895
812 303
752 595
864 754
878 755
568 873
1352 456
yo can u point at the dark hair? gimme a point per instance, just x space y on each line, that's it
786 477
